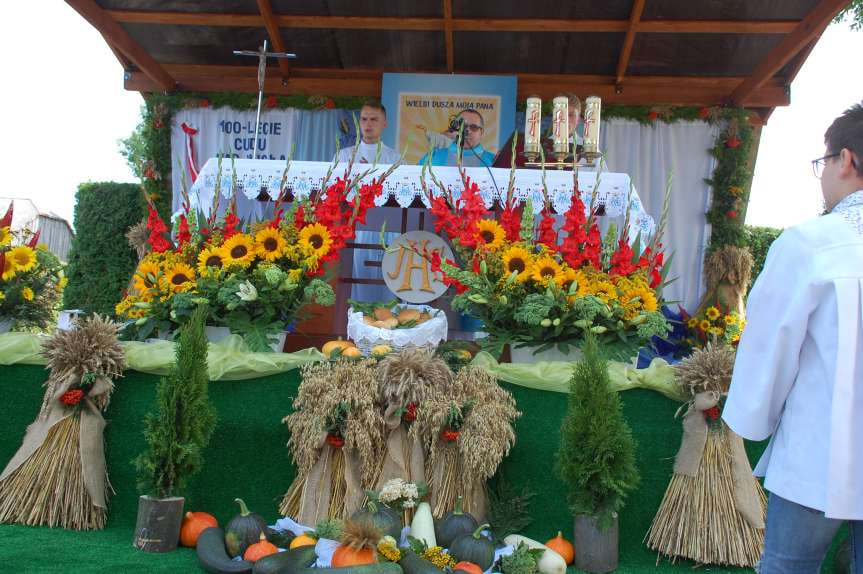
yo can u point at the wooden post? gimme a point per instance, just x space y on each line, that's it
158 526
595 550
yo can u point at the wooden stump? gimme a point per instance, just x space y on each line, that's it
595 549
158 526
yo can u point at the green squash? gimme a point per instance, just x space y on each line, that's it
412 563
453 525
212 556
243 530
384 518
474 548
281 538
289 561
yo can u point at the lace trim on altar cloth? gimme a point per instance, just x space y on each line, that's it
851 210
404 185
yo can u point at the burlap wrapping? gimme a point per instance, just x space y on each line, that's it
91 443
404 457
317 494
695 428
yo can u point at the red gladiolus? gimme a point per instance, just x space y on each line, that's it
435 261
231 223
510 220
7 218
547 234
72 397
33 240
158 243
300 217
154 221
183 233
449 435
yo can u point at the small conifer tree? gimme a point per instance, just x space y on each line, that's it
596 458
180 429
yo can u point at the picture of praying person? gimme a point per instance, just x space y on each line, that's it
373 121
473 153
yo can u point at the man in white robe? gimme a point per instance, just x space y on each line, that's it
798 378
373 121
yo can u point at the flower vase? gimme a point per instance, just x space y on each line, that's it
6 324
216 334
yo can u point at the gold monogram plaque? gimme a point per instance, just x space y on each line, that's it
408 274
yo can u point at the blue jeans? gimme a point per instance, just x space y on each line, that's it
797 538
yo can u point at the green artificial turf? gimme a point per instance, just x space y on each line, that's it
248 458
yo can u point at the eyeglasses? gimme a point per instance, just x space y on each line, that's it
818 164
472 127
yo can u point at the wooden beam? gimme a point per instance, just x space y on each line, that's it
124 61
266 10
116 36
808 30
458 24
673 90
447 28
626 50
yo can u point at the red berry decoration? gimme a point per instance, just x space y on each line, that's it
731 214
733 142
335 441
652 115
72 397
272 102
410 413
449 435
704 113
330 104
712 413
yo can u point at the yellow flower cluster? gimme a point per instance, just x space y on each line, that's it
389 551
438 557
19 259
712 323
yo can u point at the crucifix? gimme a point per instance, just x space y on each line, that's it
262 55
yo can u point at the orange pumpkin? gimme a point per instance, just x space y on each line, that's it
259 549
347 556
468 567
303 540
193 524
563 547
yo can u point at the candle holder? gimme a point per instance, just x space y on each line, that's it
564 156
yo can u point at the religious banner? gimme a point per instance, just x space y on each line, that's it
408 274
198 134
424 110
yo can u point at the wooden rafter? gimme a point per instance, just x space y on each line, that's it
116 36
808 30
459 24
629 40
647 90
266 10
447 28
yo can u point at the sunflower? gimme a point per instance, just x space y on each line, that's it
704 325
209 259
23 257
637 300
604 291
147 276
717 331
490 233
545 270
692 323
179 278
9 270
5 236
519 260
730 320
239 250
27 293
270 243
712 313
571 276
315 241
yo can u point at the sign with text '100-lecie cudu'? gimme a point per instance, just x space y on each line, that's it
408 274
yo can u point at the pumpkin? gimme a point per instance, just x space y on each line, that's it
259 549
303 540
384 518
422 526
563 547
381 350
243 530
474 548
468 567
352 353
193 524
347 556
331 346
454 525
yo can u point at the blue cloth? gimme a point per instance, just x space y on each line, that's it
475 157
796 539
670 348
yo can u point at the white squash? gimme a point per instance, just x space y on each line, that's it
549 563
422 526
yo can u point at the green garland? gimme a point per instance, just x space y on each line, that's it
730 180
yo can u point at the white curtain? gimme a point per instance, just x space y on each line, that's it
649 154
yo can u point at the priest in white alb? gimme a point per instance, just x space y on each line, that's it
798 378
373 121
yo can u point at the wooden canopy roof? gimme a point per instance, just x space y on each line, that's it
644 52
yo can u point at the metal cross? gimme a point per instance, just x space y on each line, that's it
262 55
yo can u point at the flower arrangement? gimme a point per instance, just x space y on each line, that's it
542 287
256 277
714 324
31 277
399 494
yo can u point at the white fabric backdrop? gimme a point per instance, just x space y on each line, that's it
648 154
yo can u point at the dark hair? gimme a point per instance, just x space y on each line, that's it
375 105
473 111
846 132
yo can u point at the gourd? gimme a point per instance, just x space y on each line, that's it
468 567
213 557
474 548
243 530
454 524
549 563
412 563
384 518
259 549
347 556
358 546
193 524
563 547
352 353
381 350
303 540
281 538
287 561
422 526
331 346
